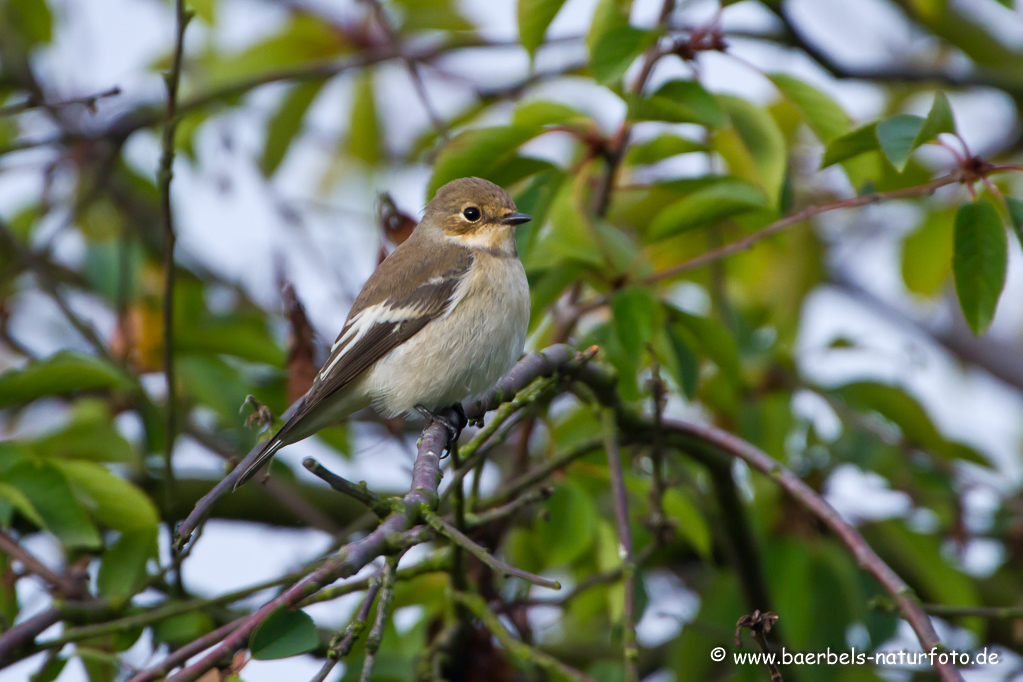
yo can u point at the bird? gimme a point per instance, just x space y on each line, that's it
440 320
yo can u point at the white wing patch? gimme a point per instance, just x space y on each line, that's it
384 313
359 326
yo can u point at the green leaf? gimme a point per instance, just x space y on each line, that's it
691 523
534 18
723 199
659 148
285 124
113 500
678 101
754 147
181 630
567 236
51 496
89 434
123 567
1016 216
364 140
685 367
31 19
539 113
432 15
850 145
305 38
615 51
714 340
284 633
897 136
825 117
60 374
51 671
633 310
927 254
570 526
939 120
477 153
609 14
15 500
980 261
905 412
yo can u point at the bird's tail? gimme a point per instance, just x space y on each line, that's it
269 450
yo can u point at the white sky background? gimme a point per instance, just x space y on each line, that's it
240 232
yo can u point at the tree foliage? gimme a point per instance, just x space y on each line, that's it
671 455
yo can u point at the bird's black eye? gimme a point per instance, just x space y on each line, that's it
472 214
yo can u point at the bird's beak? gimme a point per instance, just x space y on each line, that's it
515 219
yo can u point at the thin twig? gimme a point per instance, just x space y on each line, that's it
376 633
512 490
165 175
527 498
410 65
704 435
180 656
620 140
88 101
459 538
359 492
62 584
23 633
547 362
621 505
798 217
436 563
516 647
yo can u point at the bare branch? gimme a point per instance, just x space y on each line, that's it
62 584
516 647
621 505
87 101
376 634
460 539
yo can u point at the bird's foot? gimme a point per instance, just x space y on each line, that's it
453 423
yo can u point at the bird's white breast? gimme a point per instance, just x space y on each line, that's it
463 353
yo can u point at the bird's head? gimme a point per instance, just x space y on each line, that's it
476 213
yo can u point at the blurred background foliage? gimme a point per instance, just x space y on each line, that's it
635 150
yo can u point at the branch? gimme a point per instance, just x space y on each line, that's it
707 437
342 645
602 199
180 656
398 530
798 217
376 634
24 633
702 435
88 101
436 563
165 173
541 363
460 539
625 550
512 490
62 584
516 647
361 493
531 496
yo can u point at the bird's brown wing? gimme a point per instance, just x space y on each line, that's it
404 294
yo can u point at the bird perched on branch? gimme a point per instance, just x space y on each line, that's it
441 320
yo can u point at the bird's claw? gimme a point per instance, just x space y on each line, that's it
454 426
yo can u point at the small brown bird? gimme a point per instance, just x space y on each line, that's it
441 320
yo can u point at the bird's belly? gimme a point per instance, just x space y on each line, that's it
463 354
